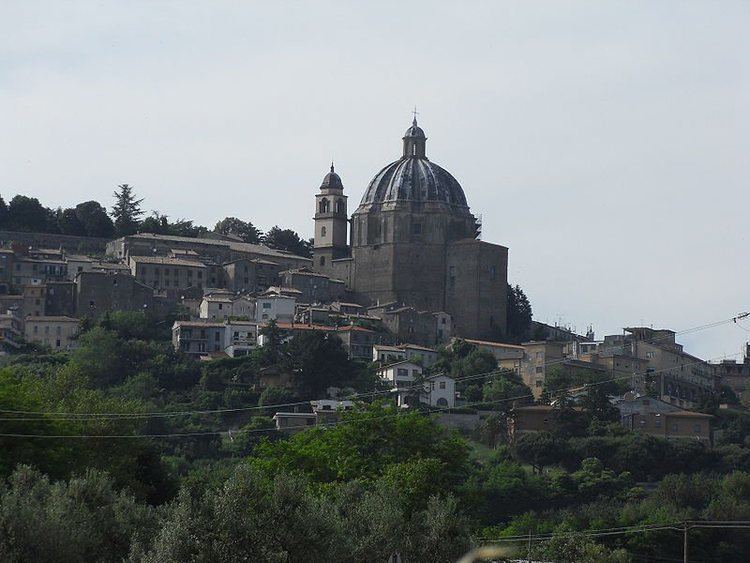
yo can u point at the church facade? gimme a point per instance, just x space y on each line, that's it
413 240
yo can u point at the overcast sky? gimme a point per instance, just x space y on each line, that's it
605 143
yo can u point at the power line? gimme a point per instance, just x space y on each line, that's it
268 430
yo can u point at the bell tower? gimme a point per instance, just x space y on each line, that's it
331 223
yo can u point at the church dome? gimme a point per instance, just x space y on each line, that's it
415 131
332 181
413 177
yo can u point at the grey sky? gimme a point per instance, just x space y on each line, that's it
605 143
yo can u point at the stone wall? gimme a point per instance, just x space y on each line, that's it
72 244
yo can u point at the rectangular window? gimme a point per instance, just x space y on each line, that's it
416 228
539 369
442 384
266 305
57 342
402 372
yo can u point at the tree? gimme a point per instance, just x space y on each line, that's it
519 314
126 211
94 219
287 239
69 223
539 449
85 519
3 213
27 214
318 361
232 226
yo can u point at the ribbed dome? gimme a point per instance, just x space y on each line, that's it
415 131
414 177
332 181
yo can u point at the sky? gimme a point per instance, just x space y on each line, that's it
604 143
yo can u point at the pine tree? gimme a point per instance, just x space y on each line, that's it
519 314
126 211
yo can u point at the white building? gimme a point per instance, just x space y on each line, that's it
436 390
216 307
240 337
222 305
387 354
401 374
279 308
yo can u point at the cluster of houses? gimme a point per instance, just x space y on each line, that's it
226 291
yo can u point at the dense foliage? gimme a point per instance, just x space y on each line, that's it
381 481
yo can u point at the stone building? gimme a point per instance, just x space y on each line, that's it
162 272
413 240
314 287
57 333
99 292
677 377
219 250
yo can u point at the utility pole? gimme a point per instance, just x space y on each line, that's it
685 543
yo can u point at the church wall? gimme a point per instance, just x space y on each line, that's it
373 274
476 288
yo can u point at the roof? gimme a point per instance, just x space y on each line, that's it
52 319
353 328
197 323
332 181
217 298
688 414
418 347
295 415
167 261
494 344
400 363
414 177
540 408
233 245
387 347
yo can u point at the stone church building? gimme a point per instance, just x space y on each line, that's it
413 240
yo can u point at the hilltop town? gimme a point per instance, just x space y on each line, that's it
386 361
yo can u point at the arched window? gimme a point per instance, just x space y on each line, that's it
322 260
442 402
325 205
340 206
323 231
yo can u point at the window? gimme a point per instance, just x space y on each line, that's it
340 206
221 306
416 228
266 305
217 336
538 383
323 231
539 369
401 372
696 428
57 342
442 385
200 275
324 206
675 427
322 260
